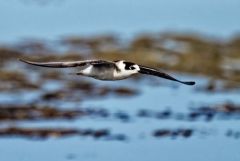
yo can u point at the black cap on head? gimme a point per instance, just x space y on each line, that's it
129 65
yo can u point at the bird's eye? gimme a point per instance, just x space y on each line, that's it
132 67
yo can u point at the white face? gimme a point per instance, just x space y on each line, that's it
126 69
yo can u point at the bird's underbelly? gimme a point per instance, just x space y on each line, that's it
109 76
103 73
119 75
101 76
99 73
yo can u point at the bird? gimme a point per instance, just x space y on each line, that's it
107 70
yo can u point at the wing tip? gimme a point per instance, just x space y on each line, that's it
20 59
23 60
190 83
31 62
26 61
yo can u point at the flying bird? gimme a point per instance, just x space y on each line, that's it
107 70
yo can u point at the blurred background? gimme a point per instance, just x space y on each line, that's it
48 114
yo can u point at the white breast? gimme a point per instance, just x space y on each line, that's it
121 74
88 70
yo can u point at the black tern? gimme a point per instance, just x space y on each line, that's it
107 70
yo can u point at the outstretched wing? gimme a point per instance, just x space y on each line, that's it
154 72
65 64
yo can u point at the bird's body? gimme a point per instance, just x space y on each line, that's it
107 70
102 71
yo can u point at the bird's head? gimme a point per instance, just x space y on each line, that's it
127 67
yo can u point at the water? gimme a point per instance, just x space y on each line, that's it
92 150
209 141
60 18
216 139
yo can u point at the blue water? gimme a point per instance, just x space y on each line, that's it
140 144
60 18
21 19
188 150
